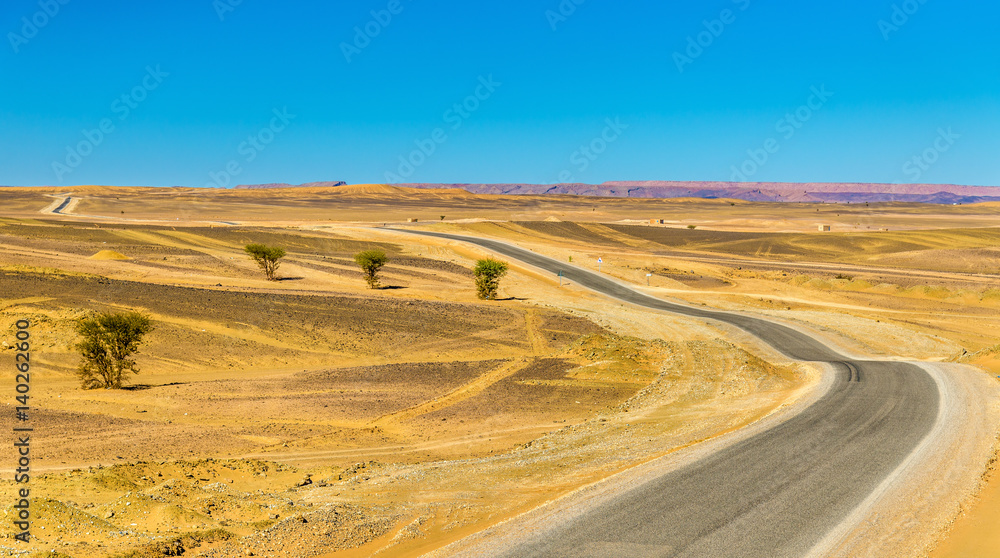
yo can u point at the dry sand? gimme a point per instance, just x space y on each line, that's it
446 415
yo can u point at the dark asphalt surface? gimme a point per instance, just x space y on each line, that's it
773 495
62 206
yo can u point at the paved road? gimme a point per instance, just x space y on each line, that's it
62 206
773 495
66 201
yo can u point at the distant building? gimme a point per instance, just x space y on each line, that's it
656 221
411 220
824 228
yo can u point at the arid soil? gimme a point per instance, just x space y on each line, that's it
312 416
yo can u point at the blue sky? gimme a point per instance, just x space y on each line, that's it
203 92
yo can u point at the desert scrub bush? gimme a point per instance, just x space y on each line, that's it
371 262
488 274
267 257
109 341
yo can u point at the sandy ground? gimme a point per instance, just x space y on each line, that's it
406 434
317 382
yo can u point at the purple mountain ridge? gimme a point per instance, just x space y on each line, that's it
811 192
282 185
749 191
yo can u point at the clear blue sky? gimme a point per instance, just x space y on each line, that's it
557 82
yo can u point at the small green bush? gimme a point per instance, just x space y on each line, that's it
266 257
488 274
109 341
371 262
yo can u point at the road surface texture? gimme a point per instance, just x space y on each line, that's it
775 494
62 206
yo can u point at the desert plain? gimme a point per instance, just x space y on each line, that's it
312 416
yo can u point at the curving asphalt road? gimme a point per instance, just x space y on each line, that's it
773 495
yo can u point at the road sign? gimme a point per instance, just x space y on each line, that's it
599 262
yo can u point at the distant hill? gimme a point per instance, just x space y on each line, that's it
282 185
749 191
812 192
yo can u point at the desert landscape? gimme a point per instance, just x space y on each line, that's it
313 416
565 279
